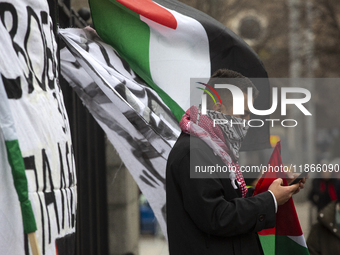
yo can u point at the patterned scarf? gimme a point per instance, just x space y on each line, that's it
223 139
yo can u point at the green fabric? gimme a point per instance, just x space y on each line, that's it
20 182
281 245
268 244
122 29
289 246
28 217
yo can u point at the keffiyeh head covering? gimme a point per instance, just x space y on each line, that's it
224 139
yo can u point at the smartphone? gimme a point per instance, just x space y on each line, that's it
299 178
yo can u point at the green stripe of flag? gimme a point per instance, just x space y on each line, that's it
116 21
281 245
20 182
289 246
112 20
268 244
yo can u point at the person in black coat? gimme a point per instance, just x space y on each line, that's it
213 215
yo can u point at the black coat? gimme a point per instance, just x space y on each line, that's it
208 216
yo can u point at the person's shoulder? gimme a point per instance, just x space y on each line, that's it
185 145
186 142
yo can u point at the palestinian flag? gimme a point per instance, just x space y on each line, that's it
166 43
15 160
286 237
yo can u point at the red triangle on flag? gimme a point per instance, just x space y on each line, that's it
152 11
287 222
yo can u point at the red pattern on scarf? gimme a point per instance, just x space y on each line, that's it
213 137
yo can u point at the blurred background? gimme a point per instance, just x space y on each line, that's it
294 39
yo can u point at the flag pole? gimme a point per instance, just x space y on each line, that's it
32 237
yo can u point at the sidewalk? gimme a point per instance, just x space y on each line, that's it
153 245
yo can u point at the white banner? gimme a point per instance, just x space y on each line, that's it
28 68
136 121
